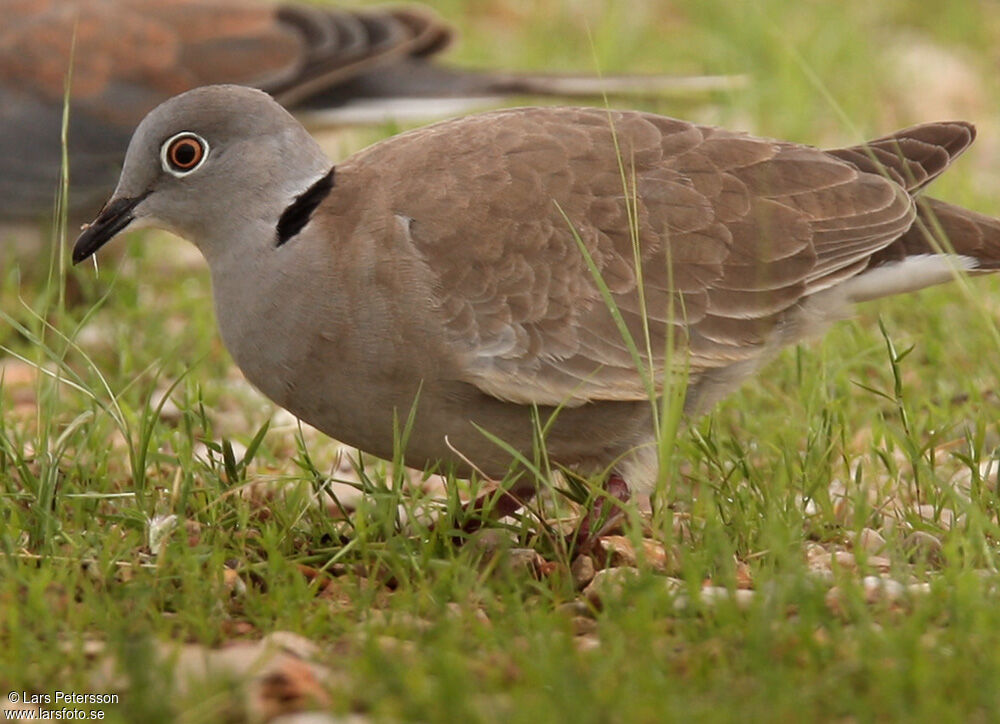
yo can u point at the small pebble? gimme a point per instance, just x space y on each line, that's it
234 584
574 609
582 570
524 560
587 643
711 595
945 517
619 551
744 576
609 583
879 563
491 540
882 589
870 540
922 544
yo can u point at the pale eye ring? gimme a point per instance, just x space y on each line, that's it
183 153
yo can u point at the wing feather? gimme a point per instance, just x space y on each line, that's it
703 240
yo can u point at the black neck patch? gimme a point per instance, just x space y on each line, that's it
298 213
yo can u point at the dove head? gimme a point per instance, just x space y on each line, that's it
223 166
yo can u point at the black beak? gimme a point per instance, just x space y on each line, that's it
113 219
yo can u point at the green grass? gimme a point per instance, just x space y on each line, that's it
855 432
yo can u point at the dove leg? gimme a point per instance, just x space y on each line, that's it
606 513
489 506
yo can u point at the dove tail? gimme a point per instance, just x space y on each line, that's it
944 240
943 228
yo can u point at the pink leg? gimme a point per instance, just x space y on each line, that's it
604 515
509 502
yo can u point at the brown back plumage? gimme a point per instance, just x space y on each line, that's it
734 231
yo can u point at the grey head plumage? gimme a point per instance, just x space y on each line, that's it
260 157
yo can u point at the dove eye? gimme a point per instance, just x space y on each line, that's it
183 153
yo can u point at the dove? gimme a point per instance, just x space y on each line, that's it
121 58
548 268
